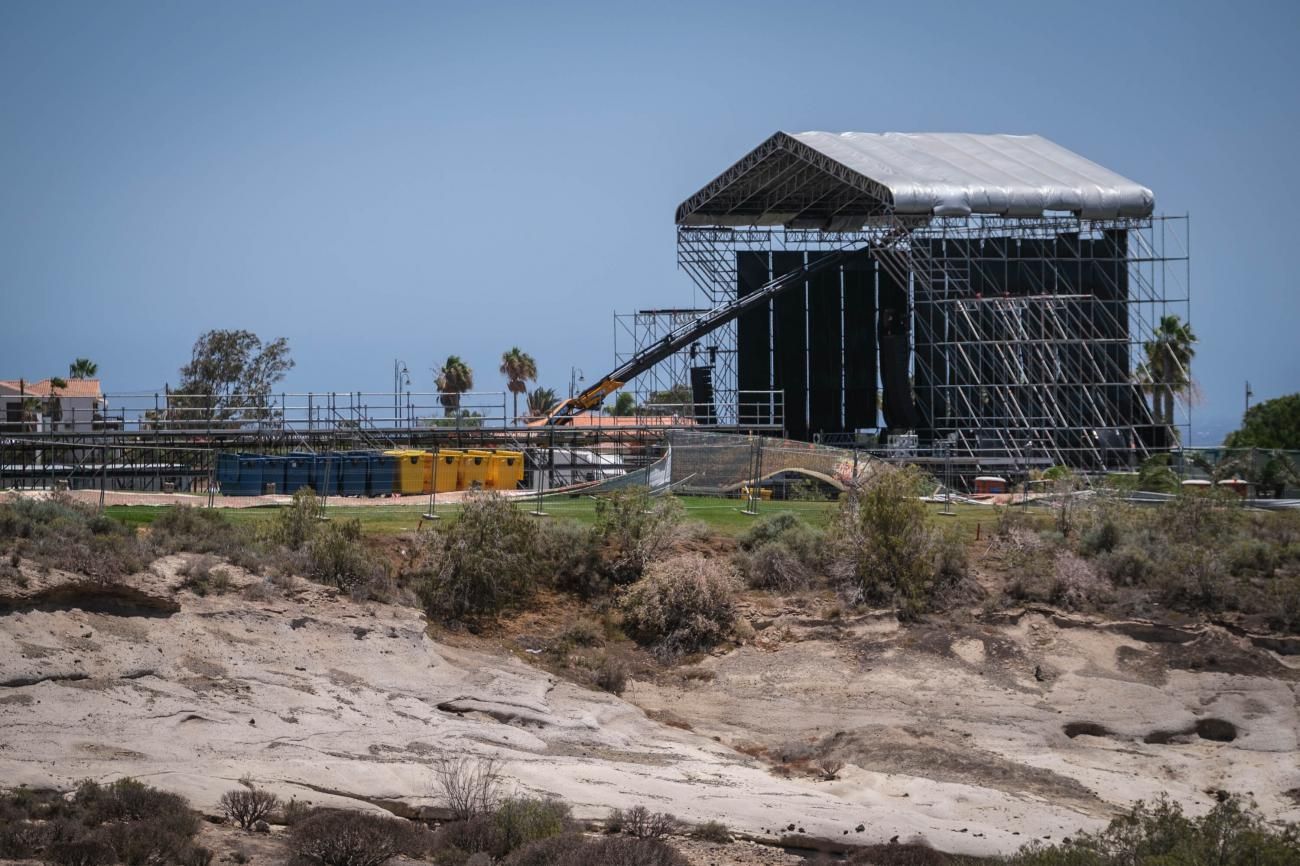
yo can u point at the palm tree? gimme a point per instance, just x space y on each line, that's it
54 406
453 379
539 401
32 407
1167 368
82 368
518 367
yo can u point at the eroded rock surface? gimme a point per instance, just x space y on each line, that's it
955 737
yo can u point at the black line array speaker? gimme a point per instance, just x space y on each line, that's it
753 340
825 358
860 395
702 395
790 345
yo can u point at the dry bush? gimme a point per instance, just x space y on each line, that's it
640 823
86 851
1160 833
548 852
481 565
59 532
342 838
610 675
911 854
152 843
21 839
521 820
781 553
830 768
584 632
181 529
246 806
130 800
888 551
298 523
712 831
683 604
576 851
637 529
470 786
336 556
568 556
1075 583
456 840
203 575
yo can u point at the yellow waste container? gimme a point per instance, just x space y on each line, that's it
446 469
414 471
474 467
506 470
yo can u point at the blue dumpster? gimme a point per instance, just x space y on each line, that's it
354 467
273 472
325 474
297 471
383 474
227 471
240 474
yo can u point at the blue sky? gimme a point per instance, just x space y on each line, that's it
409 180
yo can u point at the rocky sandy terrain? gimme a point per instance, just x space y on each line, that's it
975 738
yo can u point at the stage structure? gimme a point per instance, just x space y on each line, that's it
1001 305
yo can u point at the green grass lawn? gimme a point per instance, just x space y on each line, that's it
723 516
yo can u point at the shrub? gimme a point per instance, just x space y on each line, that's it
617 851
483 564
521 820
456 840
683 604
1075 585
19 840
298 523
888 544
294 812
87 851
150 843
576 851
470 786
568 556
195 530
555 851
202 576
1229 833
712 831
335 556
1102 537
247 806
610 675
341 838
1250 556
781 552
584 632
1127 566
640 823
58 532
637 529
129 800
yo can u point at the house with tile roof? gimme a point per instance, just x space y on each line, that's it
51 406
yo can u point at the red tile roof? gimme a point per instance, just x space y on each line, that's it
74 388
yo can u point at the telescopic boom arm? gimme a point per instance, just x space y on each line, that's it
683 335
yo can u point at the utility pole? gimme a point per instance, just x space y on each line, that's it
1249 394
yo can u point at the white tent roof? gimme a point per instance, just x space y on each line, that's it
846 178
957 174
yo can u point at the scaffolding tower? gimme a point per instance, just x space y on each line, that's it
1029 296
